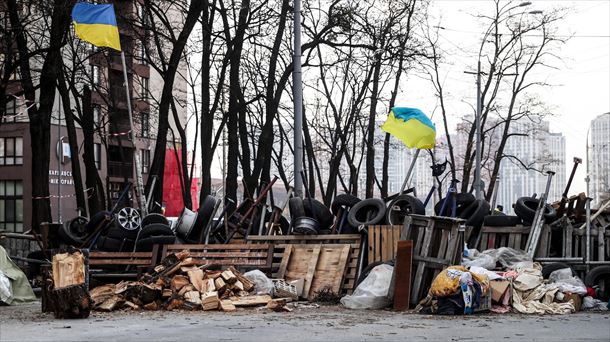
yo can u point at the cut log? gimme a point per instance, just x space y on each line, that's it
227 306
151 306
187 262
229 277
193 297
68 269
185 289
248 284
278 305
251 300
167 293
212 274
220 284
111 303
208 286
70 302
101 293
210 301
178 281
196 278
175 303
131 305
238 285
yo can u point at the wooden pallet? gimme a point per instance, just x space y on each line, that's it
121 265
321 266
280 242
496 237
382 242
437 244
247 256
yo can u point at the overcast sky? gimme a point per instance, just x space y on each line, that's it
582 79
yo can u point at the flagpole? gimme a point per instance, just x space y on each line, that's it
136 155
411 167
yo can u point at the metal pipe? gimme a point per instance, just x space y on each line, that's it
588 224
477 170
60 157
411 167
297 92
534 236
136 155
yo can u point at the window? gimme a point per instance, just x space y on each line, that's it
11 151
145 160
97 156
145 124
142 56
11 205
97 116
10 109
143 88
95 75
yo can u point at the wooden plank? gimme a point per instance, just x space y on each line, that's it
251 300
284 264
336 287
307 238
98 262
102 255
401 279
245 246
371 244
396 238
311 269
506 230
425 246
384 243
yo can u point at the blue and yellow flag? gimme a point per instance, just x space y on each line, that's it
96 24
411 126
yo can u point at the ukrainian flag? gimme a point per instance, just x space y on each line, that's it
411 126
96 24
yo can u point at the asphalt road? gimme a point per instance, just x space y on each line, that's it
26 323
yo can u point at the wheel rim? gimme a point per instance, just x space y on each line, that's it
129 218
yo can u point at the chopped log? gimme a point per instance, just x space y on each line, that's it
229 277
175 303
167 293
183 255
101 293
111 303
278 305
185 289
208 286
220 284
187 263
178 281
68 269
70 302
212 274
159 268
151 306
238 285
131 305
248 284
187 269
193 297
227 306
196 278
210 301
251 300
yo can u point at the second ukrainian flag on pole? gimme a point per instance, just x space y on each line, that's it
96 24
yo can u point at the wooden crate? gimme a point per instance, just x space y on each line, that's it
281 241
437 245
496 237
382 242
247 255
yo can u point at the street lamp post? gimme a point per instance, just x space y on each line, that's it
478 182
297 91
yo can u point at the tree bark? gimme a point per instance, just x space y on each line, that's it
92 180
370 141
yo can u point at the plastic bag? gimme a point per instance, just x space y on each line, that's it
505 256
262 284
483 260
372 292
5 288
566 282
590 303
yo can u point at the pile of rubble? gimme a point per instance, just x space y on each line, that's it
177 283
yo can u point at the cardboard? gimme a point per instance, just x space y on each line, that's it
498 288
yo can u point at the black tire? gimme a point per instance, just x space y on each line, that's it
67 237
204 213
343 201
146 245
501 221
156 229
526 207
405 205
462 201
153 218
319 212
357 216
596 274
96 219
78 227
118 232
550 268
295 205
475 213
109 244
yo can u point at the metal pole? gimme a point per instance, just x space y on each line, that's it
411 167
477 171
535 230
136 155
588 233
60 157
298 102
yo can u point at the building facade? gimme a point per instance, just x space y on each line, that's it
598 159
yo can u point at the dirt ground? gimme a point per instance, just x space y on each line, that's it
305 323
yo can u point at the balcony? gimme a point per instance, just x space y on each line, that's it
120 169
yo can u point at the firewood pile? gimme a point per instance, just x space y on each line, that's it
177 283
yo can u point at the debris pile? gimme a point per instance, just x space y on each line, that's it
177 283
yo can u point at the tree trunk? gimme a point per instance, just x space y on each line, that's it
92 180
370 141
207 117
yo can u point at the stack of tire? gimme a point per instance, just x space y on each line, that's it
312 209
525 209
468 208
154 230
75 232
190 226
341 207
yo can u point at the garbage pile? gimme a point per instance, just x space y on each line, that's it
177 283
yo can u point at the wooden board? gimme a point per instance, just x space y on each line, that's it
245 255
321 266
281 242
382 242
401 279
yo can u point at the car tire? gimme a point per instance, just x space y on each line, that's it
155 229
67 237
97 219
501 221
374 207
296 208
462 201
525 208
153 218
343 201
146 245
475 213
595 274
108 244
204 213
406 204
317 210
118 232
